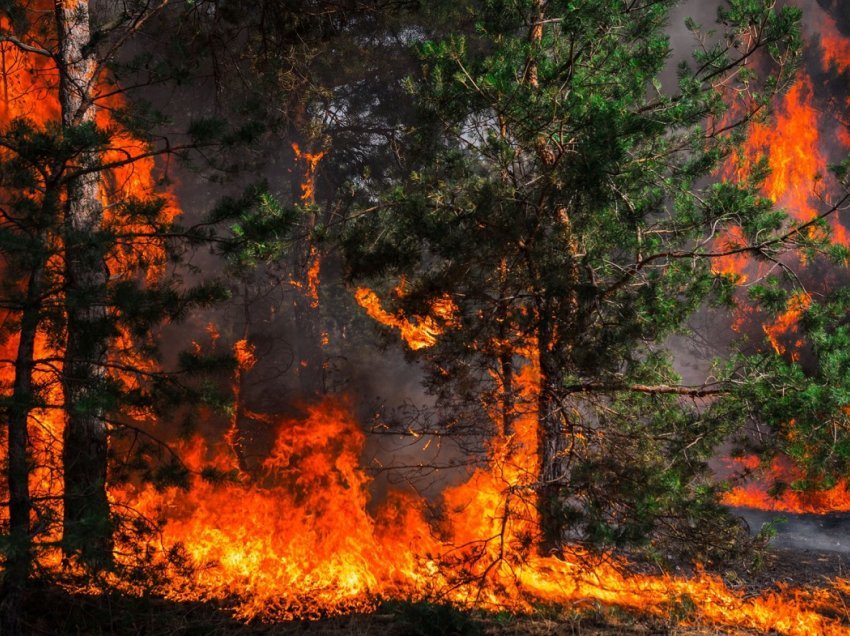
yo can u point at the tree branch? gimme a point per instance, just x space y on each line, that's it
29 48
653 389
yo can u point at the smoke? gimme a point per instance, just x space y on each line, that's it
379 379
822 533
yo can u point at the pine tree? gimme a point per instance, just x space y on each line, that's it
30 280
560 190
91 254
87 528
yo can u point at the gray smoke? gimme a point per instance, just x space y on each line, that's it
830 533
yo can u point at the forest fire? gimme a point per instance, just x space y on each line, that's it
30 96
285 520
797 156
326 554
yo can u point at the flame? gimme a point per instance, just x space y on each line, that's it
732 265
756 493
792 144
313 272
310 282
245 354
835 47
304 536
311 159
301 544
299 540
786 324
419 334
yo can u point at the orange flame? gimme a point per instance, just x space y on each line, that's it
245 355
299 542
732 265
313 272
791 142
419 334
312 159
756 493
786 323
835 47
308 196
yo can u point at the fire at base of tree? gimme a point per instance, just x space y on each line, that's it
402 317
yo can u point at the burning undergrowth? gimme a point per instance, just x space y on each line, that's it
297 542
299 538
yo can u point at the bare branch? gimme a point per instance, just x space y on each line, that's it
28 48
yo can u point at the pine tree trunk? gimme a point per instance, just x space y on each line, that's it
305 311
308 348
506 353
87 528
552 438
558 322
19 556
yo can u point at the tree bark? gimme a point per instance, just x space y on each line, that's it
552 441
19 556
535 36
558 322
552 423
305 308
506 353
87 528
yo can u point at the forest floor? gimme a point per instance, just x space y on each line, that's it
52 611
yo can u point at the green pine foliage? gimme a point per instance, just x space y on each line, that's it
562 187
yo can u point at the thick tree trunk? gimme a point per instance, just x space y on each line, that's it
87 528
19 555
552 440
552 433
558 324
